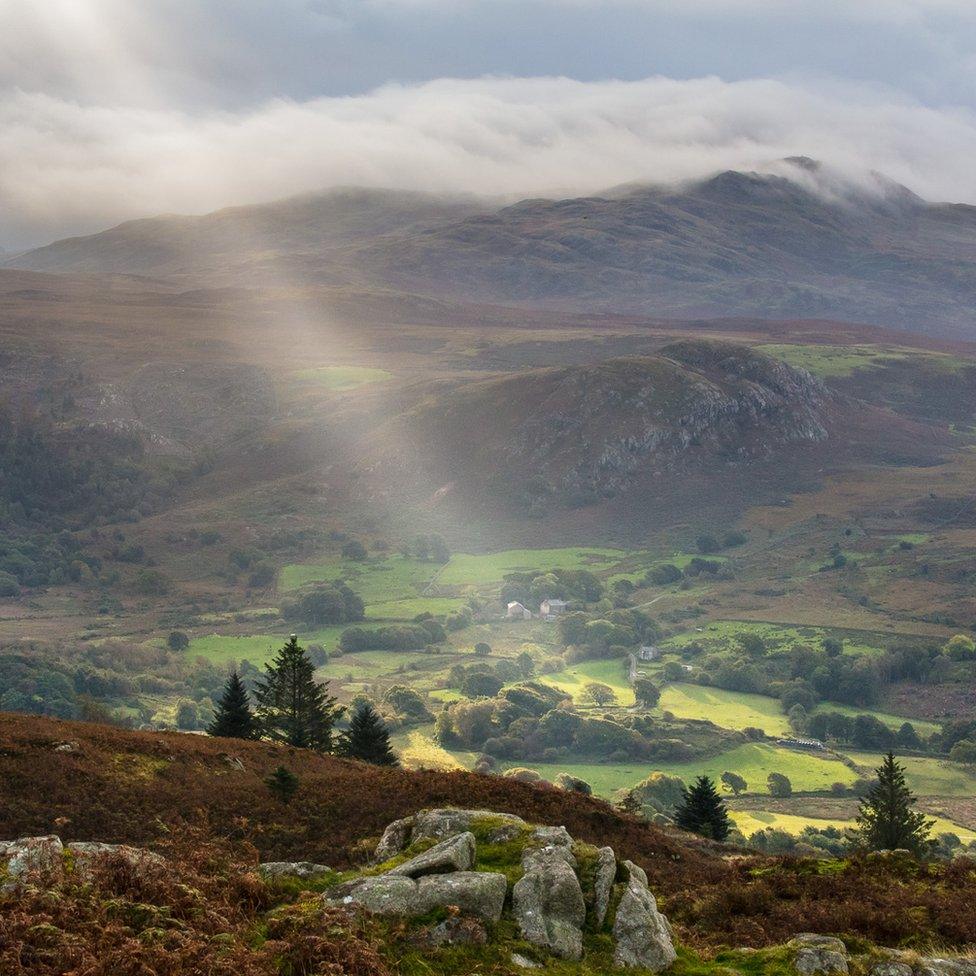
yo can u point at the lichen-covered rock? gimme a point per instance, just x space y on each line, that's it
476 893
302 870
454 854
395 838
934 966
548 902
440 823
891 969
634 871
457 931
34 854
552 836
604 876
84 855
818 955
642 936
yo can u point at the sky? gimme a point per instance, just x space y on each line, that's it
116 109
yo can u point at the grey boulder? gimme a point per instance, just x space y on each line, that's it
444 822
293 869
818 955
454 854
548 902
33 854
642 936
395 838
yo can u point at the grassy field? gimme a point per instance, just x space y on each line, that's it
339 378
612 672
721 634
892 721
731 710
827 360
927 776
465 568
409 608
381 579
417 749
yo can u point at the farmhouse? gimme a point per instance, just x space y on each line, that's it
517 611
649 653
549 609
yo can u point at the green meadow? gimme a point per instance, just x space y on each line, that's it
339 378
729 709
927 775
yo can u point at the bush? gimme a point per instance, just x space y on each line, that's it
481 649
177 641
572 783
354 550
523 775
8 585
779 785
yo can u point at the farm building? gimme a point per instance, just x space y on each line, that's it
552 608
517 611
801 743
649 653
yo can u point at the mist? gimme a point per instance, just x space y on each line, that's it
67 168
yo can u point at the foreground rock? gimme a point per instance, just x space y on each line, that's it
818 955
642 935
454 854
548 902
303 870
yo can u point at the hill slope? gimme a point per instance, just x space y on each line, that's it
798 243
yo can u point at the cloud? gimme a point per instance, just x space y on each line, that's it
66 167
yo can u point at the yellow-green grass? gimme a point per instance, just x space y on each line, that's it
376 580
339 378
828 360
408 609
926 775
474 569
892 721
417 748
754 761
729 709
723 633
604 778
749 821
611 672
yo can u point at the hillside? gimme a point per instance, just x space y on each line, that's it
798 242
577 436
97 783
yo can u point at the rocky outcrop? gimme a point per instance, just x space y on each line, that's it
548 902
454 854
302 870
33 854
436 824
642 935
604 877
818 955
48 854
476 893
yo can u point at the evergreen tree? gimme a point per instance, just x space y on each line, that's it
886 820
368 738
292 706
283 784
234 718
702 811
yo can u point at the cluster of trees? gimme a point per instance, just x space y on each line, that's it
290 706
54 481
429 548
326 605
613 634
485 680
862 731
574 585
394 637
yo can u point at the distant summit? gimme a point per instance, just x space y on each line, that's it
796 240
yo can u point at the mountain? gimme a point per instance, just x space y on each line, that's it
799 241
640 427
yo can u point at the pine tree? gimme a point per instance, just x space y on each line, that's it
292 706
368 738
234 718
283 784
886 820
702 811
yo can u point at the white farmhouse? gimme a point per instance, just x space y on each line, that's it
517 611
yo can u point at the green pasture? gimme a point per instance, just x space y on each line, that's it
894 722
611 672
487 568
840 361
339 378
729 709
926 775
418 749
377 579
722 634
410 608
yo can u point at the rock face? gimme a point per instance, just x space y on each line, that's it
436 824
641 933
454 854
548 902
33 854
605 875
476 893
818 955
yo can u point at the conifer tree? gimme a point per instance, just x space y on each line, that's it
887 820
283 784
292 706
233 718
368 738
702 811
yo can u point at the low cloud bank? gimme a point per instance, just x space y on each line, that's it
69 168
